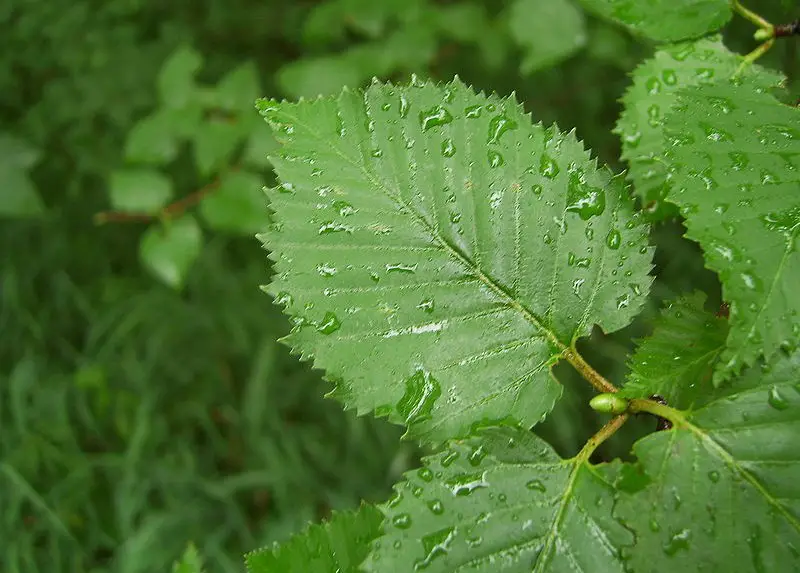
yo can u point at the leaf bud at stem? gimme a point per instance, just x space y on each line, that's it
764 34
609 404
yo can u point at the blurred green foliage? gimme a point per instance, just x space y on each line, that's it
144 400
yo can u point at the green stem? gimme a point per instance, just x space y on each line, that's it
601 436
590 374
750 15
638 405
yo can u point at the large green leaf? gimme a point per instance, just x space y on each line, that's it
734 156
656 84
679 356
336 546
502 501
665 20
548 32
723 491
439 253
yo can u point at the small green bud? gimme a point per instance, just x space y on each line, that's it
609 404
764 34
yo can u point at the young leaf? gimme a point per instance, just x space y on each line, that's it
501 501
410 218
547 31
238 89
336 546
19 196
214 142
723 492
151 140
678 358
734 156
656 83
169 251
664 20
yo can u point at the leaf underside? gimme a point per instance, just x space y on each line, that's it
656 83
664 20
678 358
438 252
735 165
338 545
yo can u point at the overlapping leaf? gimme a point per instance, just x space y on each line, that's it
724 493
677 360
336 546
502 501
664 20
734 156
438 252
656 84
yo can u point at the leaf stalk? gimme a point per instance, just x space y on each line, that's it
590 374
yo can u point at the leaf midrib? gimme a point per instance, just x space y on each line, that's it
454 252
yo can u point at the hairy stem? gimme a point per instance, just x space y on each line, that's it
590 374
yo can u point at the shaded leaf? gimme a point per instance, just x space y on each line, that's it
723 492
656 83
169 251
734 157
502 501
16 152
337 546
677 360
18 195
411 217
139 190
548 32
260 145
151 140
664 20
237 205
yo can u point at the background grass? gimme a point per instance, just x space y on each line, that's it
134 418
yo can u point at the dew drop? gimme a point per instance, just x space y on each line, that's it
284 298
548 167
465 484
584 199
495 159
435 545
422 391
678 542
473 111
537 190
448 148
536 485
713 475
401 268
425 474
450 458
326 270
330 323
499 125
434 117
776 399
402 521
436 507
404 106
427 305
333 227
614 239
477 456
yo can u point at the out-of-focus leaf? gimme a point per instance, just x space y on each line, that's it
152 141
548 32
238 204
238 89
325 75
139 190
16 152
168 251
465 21
665 20
176 78
18 195
190 561
260 145
214 142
